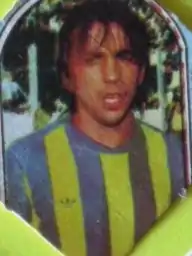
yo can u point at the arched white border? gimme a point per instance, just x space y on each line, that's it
7 28
184 69
28 4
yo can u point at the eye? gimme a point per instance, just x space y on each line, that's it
126 56
93 57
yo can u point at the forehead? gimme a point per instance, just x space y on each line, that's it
111 36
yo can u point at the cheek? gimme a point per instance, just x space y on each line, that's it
130 74
76 77
84 87
86 79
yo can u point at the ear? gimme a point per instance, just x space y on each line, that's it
141 75
66 83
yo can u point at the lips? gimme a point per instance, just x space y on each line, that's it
114 101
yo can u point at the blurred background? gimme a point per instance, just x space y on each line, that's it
32 96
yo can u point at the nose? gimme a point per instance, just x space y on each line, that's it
111 70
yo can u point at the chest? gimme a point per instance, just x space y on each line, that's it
104 195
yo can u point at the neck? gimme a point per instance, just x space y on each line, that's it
108 136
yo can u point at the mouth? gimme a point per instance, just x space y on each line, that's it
114 101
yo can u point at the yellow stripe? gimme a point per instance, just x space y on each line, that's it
65 189
35 219
160 173
120 202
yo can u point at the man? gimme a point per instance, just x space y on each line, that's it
96 184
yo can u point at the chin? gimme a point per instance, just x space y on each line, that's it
112 122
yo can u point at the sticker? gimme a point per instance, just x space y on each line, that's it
96 120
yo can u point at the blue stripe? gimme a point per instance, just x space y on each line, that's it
175 163
93 196
15 194
40 185
143 196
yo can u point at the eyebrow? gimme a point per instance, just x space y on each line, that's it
125 50
119 51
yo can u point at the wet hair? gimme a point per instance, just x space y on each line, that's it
82 16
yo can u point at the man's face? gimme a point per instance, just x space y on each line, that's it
103 75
